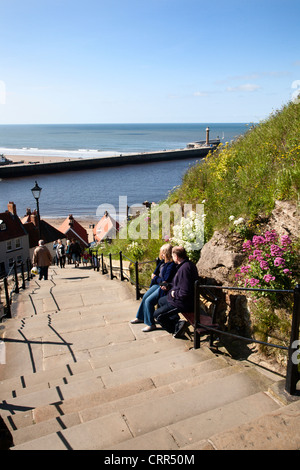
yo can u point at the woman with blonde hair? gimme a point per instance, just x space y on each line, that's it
161 277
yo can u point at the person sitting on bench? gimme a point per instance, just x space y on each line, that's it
163 274
180 297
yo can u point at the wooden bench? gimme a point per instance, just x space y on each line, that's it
204 320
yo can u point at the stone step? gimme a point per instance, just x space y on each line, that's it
113 399
80 376
104 378
134 421
278 430
112 355
189 433
196 400
68 288
85 408
28 352
83 372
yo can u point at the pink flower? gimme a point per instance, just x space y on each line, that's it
247 245
285 240
287 271
257 252
253 282
279 261
275 250
245 269
258 240
268 278
264 265
271 236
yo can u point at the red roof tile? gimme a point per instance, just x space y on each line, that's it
72 229
11 226
105 228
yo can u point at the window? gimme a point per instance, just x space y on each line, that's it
18 243
10 262
19 259
2 225
9 245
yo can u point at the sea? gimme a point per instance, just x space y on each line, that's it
86 194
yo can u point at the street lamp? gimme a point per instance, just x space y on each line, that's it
36 192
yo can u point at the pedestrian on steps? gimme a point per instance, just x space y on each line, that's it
61 253
42 258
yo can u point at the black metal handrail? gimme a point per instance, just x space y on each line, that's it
292 374
96 263
13 272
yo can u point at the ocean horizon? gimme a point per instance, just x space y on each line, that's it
88 140
82 192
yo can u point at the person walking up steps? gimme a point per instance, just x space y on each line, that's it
42 258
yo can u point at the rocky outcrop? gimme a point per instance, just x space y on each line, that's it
222 255
285 218
218 259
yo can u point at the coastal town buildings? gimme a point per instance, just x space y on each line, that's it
106 228
40 231
19 237
72 229
14 240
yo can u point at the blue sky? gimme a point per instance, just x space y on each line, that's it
131 61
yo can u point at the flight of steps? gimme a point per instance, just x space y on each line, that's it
80 376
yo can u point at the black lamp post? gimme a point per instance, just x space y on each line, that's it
36 192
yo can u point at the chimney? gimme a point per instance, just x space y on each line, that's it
34 218
12 208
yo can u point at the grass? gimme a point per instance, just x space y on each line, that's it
241 179
245 178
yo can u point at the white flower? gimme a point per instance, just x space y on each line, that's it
239 221
231 218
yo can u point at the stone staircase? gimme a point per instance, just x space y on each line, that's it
77 375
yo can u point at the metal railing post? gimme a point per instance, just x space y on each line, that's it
8 309
28 269
137 288
292 373
121 267
102 263
16 278
110 266
196 316
23 275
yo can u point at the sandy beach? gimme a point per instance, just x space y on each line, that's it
37 159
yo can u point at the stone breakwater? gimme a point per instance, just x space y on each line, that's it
17 170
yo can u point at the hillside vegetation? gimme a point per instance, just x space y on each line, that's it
243 179
238 185
238 180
